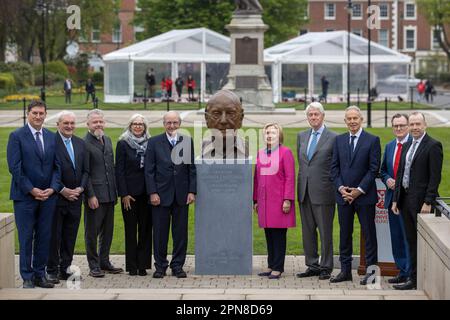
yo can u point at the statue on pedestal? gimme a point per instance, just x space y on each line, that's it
248 6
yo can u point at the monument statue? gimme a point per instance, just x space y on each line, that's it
224 115
248 5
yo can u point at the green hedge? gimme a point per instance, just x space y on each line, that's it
54 67
7 82
22 72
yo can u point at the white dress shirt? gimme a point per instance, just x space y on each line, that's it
41 136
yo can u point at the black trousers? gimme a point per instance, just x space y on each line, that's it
162 218
366 216
409 209
138 234
276 248
64 235
98 225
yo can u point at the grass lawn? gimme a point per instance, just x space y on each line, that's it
294 246
58 102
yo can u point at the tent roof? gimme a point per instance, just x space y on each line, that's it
190 45
331 48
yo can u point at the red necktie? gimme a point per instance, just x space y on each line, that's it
397 158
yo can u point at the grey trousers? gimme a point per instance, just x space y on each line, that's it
317 217
98 224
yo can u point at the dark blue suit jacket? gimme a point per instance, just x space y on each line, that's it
359 170
26 166
387 170
171 181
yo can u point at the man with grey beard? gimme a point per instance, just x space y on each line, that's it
101 196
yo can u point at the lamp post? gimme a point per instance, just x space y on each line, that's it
349 19
369 99
41 11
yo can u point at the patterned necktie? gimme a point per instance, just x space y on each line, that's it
405 181
173 142
397 158
352 145
70 151
39 144
312 146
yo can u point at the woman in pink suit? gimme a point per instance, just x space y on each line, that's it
274 195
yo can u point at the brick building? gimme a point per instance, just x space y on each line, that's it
402 27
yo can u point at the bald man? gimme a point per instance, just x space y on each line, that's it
171 184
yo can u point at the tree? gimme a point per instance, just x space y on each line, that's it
437 13
284 17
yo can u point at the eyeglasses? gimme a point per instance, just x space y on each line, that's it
399 126
175 123
135 124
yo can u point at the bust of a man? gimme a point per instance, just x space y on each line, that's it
224 115
248 6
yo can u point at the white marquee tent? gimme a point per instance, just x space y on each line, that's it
302 61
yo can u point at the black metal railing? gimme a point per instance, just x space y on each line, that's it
443 207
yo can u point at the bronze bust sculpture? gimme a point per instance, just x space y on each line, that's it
248 6
224 115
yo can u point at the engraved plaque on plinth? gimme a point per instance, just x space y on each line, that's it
246 51
223 218
246 82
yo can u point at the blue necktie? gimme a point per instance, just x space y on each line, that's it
352 146
70 152
39 144
312 146
173 142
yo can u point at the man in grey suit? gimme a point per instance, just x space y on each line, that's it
316 192
101 196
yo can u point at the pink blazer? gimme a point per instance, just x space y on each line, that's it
274 182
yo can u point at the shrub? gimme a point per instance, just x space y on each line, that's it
58 67
7 82
97 78
22 72
50 79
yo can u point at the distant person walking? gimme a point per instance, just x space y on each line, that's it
191 87
169 84
179 83
163 88
429 91
420 90
325 83
151 81
68 84
90 90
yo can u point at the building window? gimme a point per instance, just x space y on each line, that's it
95 34
410 39
383 37
410 11
435 35
330 11
117 33
357 11
384 11
358 32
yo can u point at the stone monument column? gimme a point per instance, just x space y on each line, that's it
247 77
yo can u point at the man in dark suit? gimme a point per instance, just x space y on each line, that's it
416 187
71 155
170 177
101 196
68 90
389 170
35 179
356 161
316 192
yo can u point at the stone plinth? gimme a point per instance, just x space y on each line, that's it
7 227
433 256
223 218
247 77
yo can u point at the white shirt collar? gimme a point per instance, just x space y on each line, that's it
172 138
64 138
33 130
421 138
404 140
320 131
357 134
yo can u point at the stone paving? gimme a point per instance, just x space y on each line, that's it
123 286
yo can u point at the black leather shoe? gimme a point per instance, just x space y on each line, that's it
132 272
28 284
52 278
111 269
398 279
365 279
142 272
324 275
408 285
158 274
43 283
275 276
62 275
179 273
96 273
264 274
308 273
342 277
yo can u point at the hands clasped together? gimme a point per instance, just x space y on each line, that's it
350 194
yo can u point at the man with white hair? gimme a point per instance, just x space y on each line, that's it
355 165
101 196
71 154
316 192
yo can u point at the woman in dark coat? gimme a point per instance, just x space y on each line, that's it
137 216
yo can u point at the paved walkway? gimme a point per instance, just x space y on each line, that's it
119 119
123 286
